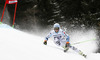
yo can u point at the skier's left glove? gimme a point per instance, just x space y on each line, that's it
67 44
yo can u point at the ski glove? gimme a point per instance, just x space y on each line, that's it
45 42
67 44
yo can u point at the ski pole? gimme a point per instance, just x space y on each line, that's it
83 41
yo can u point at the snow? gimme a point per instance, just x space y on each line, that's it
78 36
18 45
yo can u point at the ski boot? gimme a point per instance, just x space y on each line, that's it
66 49
81 53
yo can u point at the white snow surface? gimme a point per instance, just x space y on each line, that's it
18 45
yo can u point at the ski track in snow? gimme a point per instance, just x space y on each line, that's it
18 45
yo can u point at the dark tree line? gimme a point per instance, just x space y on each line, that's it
83 11
77 12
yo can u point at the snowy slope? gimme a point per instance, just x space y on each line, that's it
18 45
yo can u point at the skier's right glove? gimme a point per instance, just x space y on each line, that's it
66 47
45 42
67 44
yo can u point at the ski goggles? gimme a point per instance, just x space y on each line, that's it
56 28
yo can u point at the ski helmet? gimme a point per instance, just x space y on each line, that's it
56 26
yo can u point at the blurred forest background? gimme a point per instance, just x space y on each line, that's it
70 13
45 12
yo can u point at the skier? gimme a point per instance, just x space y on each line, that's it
61 39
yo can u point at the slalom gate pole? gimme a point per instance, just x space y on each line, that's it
14 15
3 13
83 41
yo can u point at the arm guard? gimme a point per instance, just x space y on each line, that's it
48 36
